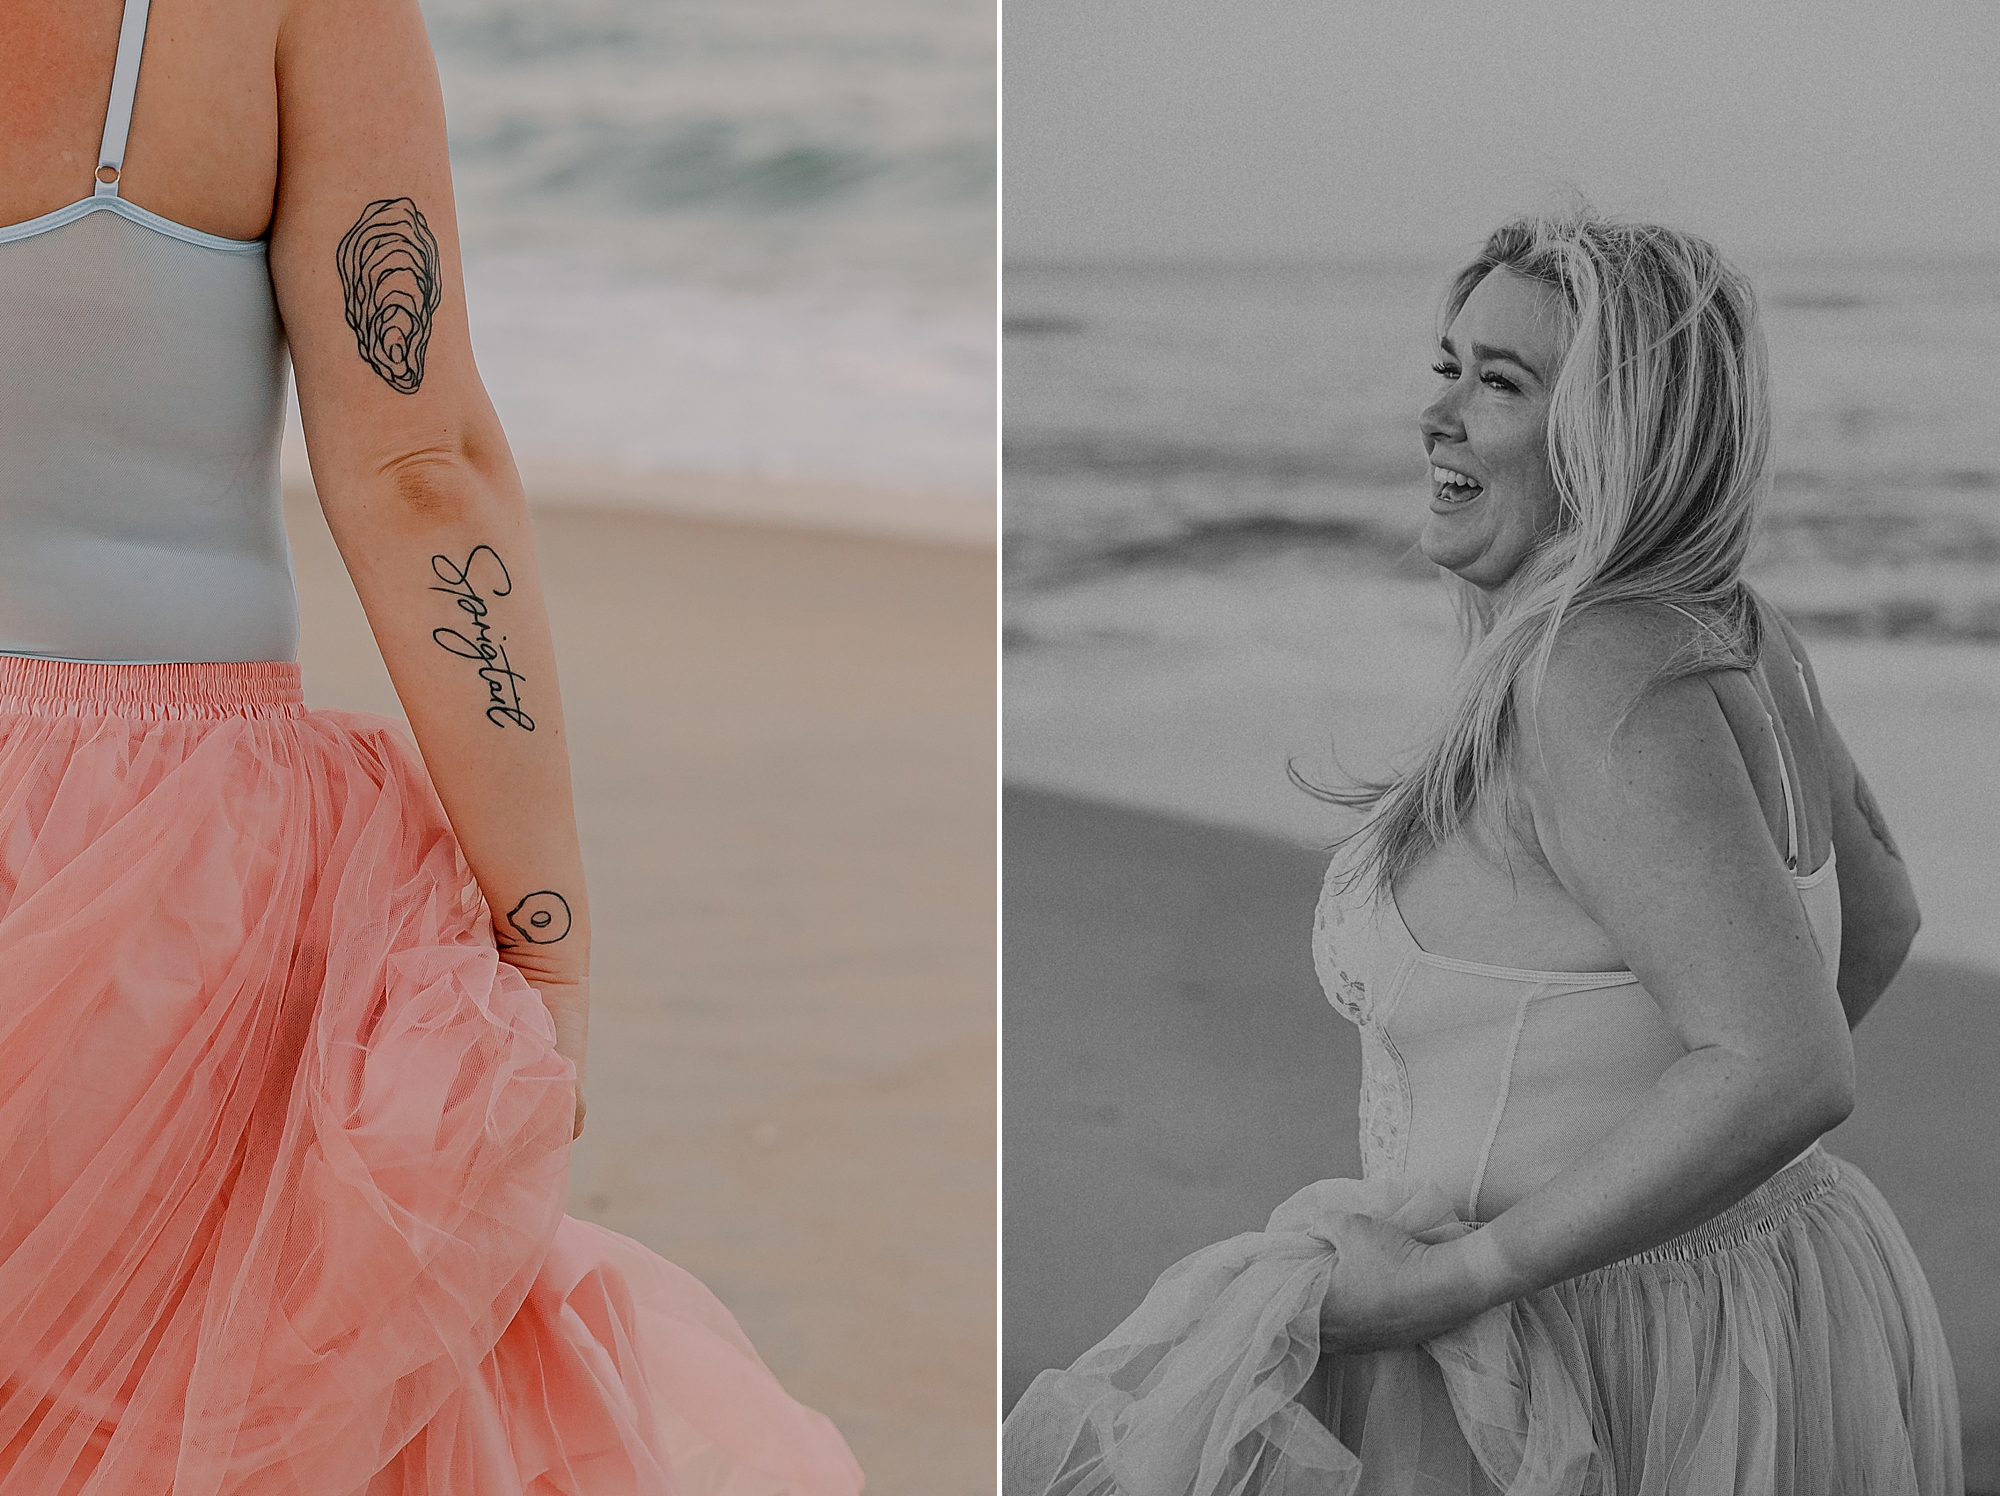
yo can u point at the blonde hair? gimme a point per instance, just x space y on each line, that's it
1658 442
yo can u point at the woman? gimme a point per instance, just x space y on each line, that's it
1604 940
293 1029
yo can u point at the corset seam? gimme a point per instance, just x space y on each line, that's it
1500 1102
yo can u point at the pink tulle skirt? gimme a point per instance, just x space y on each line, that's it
284 1146
1787 1348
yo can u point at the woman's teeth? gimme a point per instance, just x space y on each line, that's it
1453 488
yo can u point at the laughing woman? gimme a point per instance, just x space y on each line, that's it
1604 940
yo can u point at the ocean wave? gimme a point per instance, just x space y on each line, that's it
540 33
1031 325
1816 301
1067 530
1907 617
761 165
530 31
778 143
587 365
1208 543
1382 459
1143 458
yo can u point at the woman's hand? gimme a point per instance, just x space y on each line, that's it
568 1002
1391 1289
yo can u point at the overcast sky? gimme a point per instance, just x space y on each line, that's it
1157 129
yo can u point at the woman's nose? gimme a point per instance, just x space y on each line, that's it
1440 419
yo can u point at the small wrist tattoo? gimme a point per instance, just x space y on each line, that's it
388 265
542 918
503 681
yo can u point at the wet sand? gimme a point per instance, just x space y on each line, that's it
783 753
1173 1072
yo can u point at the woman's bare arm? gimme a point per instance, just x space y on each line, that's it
1655 829
413 470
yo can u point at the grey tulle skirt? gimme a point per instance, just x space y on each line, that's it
1789 1346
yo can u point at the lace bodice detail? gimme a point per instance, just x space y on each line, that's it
1348 954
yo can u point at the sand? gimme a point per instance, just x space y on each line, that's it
1173 1073
782 742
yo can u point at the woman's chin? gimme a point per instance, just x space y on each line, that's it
1471 558
1444 543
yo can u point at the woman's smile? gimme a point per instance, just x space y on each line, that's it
1451 487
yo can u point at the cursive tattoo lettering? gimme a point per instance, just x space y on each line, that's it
542 918
1864 801
389 281
503 681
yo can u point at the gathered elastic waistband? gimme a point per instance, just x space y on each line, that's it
149 693
1763 1209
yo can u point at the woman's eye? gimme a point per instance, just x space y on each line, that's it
1447 371
1499 383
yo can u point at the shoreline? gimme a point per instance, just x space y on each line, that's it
1188 695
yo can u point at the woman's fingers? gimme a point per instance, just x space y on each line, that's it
1389 1288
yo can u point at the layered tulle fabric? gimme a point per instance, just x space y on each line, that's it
1788 1347
284 1146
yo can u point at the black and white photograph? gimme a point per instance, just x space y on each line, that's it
1500 692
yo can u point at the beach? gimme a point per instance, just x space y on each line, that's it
781 729
1172 1069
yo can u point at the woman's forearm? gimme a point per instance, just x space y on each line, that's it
1871 957
1864 979
442 556
1715 1126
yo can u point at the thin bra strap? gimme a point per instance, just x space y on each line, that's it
1768 702
1784 775
124 88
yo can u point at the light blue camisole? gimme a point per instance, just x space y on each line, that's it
142 398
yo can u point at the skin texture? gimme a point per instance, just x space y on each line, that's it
411 465
1490 421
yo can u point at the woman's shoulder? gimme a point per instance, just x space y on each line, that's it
1627 714
1785 650
1606 658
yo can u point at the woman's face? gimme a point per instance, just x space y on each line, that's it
1486 433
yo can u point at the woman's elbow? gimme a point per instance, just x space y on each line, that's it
1807 1093
1824 1091
1834 1099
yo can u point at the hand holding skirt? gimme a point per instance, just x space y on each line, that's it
1789 1346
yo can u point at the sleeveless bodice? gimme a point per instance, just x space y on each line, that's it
142 387
1487 1080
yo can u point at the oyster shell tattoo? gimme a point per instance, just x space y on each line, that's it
389 276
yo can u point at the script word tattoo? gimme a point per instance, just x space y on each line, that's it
503 681
389 276
542 918
1864 801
